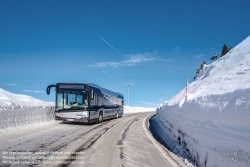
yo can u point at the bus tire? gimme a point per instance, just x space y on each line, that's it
100 120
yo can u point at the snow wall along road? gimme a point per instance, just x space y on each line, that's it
213 129
25 116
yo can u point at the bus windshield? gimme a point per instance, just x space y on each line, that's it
71 100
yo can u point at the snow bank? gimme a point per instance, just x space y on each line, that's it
163 105
213 123
10 100
20 117
19 110
128 110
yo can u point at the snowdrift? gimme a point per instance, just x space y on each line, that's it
212 124
18 110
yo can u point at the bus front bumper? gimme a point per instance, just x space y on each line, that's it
83 119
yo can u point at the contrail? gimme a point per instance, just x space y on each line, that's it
92 28
110 45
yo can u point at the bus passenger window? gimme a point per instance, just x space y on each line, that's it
92 94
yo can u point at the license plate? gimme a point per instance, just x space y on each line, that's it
69 119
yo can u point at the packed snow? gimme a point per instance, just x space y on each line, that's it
212 124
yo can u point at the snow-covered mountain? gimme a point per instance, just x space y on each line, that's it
227 74
213 121
11 100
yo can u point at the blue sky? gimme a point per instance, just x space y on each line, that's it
151 45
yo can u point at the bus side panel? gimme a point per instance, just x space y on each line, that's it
93 114
109 113
108 103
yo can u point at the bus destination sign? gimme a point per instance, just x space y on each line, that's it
71 86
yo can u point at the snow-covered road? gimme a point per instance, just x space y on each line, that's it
118 142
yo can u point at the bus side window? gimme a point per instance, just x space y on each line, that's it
122 102
92 94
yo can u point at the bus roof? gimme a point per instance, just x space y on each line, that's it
97 88
106 91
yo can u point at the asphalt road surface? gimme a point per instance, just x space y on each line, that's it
123 142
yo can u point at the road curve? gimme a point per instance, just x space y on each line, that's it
120 142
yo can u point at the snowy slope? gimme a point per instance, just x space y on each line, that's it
213 122
227 74
11 100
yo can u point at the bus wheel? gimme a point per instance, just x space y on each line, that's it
100 118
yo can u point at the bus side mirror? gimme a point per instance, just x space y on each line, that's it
48 89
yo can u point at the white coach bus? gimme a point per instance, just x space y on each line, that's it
80 102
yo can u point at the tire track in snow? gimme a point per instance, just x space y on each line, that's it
50 140
90 141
